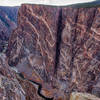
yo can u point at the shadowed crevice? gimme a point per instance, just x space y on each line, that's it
91 20
73 39
39 90
58 40
39 87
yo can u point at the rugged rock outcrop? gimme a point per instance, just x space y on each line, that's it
57 49
82 96
12 86
79 65
10 89
8 17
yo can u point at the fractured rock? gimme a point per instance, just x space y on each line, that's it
57 48
83 96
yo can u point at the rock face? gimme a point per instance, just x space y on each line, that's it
79 65
36 38
10 89
57 50
83 96
79 50
8 17
12 86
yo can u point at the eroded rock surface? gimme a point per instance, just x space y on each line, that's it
79 65
8 17
82 96
35 39
12 85
10 89
57 49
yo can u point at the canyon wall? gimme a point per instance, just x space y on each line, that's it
8 22
56 49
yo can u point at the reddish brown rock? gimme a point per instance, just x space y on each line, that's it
32 45
35 40
79 66
56 49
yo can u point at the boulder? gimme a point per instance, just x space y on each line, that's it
82 96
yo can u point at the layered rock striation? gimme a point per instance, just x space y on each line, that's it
57 49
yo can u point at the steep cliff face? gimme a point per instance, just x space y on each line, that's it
57 49
35 39
77 65
8 17
10 88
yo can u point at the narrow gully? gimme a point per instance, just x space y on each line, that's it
39 87
58 40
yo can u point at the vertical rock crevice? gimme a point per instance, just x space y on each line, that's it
74 37
91 20
58 40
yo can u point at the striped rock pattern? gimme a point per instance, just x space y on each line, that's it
79 64
57 49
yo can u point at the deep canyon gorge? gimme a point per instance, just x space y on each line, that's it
52 53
